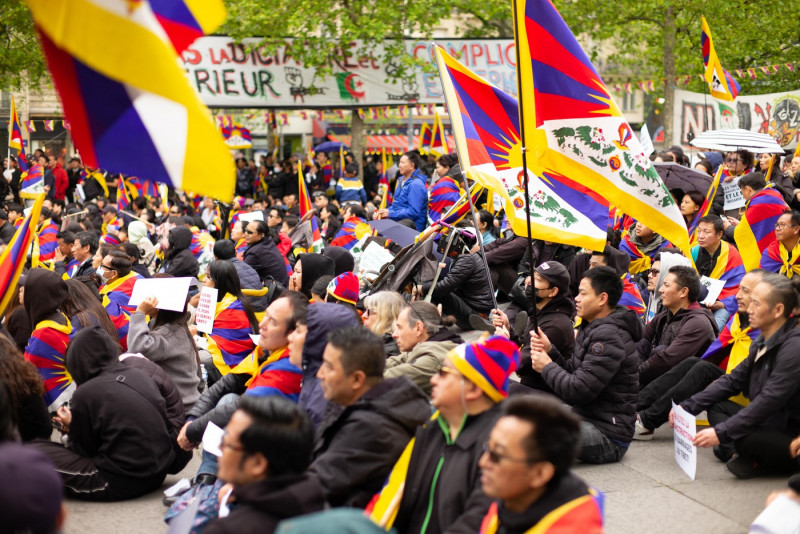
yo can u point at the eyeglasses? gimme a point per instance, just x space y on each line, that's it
225 445
442 371
654 272
781 226
733 160
249 232
495 457
368 312
107 268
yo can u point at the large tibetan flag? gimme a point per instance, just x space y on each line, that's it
12 260
756 229
721 84
130 106
485 124
47 349
444 193
572 127
305 205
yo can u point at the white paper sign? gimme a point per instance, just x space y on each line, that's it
646 141
252 216
212 438
372 260
206 309
714 287
684 431
733 195
170 292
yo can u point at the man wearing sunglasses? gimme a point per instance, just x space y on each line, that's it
526 467
442 485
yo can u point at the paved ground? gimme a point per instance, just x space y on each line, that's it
646 492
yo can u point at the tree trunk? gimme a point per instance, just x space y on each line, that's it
357 145
669 73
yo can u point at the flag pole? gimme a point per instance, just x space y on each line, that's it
479 236
532 311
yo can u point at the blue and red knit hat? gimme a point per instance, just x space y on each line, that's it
345 287
487 363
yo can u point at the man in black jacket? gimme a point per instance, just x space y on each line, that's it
601 380
526 467
464 291
119 442
83 250
762 431
7 229
265 451
263 255
681 330
369 420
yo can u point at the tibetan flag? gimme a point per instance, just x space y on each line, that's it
12 260
237 136
728 268
305 205
100 177
384 188
116 296
460 209
486 129
32 184
134 185
47 349
438 141
444 193
351 232
132 92
241 246
46 236
277 376
229 342
756 229
631 296
582 514
705 207
777 259
425 138
15 132
572 127
731 348
49 125
640 262
721 84
149 189
30 126
123 197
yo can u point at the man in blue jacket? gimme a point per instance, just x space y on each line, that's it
410 205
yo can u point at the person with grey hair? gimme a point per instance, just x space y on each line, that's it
424 340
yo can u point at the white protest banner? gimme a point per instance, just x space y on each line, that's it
170 292
684 430
733 195
206 309
714 287
252 216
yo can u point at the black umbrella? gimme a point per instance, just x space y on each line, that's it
676 176
402 235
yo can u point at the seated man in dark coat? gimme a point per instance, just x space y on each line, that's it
265 452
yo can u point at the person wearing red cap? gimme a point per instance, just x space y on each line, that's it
437 481
344 290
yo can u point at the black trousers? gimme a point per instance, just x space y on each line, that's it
690 376
84 480
770 449
454 305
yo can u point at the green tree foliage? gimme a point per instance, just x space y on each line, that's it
21 59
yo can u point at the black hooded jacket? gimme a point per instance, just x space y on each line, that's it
180 260
45 292
358 445
341 257
118 415
555 320
468 279
260 506
601 380
314 267
323 318
266 259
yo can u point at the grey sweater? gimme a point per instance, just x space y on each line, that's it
170 347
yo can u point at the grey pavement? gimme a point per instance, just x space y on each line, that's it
646 492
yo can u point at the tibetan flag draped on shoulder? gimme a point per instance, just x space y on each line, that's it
729 268
46 350
756 229
485 124
12 260
631 296
777 259
721 84
443 194
640 261
276 376
132 92
572 126
229 342
46 238
116 296
731 347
